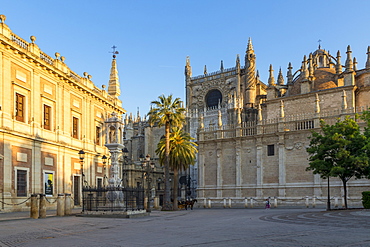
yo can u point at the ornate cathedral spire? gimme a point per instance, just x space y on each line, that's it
354 64
310 66
271 77
349 63
188 71
304 70
237 68
237 62
290 74
114 86
367 66
338 67
250 76
250 65
280 78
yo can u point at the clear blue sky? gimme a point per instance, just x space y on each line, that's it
154 37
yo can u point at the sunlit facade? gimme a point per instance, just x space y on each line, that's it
48 113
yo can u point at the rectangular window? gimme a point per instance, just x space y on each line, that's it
47 111
271 150
97 135
75 128
19 107
21 183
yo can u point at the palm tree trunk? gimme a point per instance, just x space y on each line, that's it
167 200
175 188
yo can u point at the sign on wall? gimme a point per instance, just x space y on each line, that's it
48 181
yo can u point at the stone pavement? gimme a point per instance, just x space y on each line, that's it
199 227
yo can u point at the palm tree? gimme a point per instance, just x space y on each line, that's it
182 154
167 112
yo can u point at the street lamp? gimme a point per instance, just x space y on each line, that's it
148 166
104 158
81 155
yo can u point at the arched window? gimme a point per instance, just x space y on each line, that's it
213 97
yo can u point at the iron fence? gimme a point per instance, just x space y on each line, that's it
112 198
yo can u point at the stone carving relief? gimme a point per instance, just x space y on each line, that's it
297 145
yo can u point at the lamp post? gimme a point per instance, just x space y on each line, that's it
81 155
124 175
148 166
104 158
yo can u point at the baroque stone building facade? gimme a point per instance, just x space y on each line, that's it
47 114
253 135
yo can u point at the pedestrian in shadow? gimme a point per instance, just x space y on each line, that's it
267 203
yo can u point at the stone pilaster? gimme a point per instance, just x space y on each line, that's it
238 173
219 169
282 170
259 174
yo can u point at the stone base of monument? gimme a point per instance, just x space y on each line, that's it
114 214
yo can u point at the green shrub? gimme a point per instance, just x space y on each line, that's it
366 199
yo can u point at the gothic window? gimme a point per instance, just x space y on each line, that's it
47 112
75 127
271 150
19 107
213 98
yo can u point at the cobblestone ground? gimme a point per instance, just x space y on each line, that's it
200 227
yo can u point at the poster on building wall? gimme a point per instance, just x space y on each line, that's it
48 178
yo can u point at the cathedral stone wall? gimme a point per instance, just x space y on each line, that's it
257 148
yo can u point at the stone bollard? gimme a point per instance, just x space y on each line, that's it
224 202
34 213
229 203
307 202
313 202
251 202
245 202
60 205
275 202
205 203
209 203
156 202
343 202
67 204
145 203
42 209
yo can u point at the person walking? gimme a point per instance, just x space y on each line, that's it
267 204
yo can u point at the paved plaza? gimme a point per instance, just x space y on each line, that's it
199 227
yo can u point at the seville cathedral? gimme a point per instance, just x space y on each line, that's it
253 136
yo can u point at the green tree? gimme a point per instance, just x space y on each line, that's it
366 117
167 112
338 152
182 154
